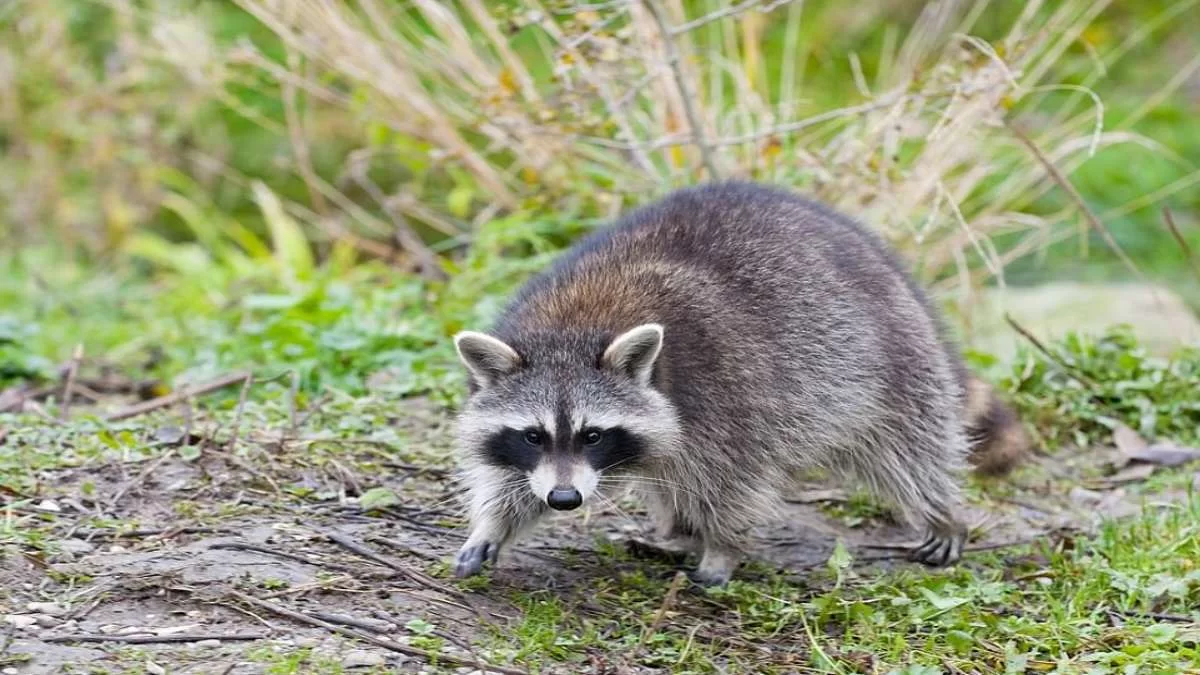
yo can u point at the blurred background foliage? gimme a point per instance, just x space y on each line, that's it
352 182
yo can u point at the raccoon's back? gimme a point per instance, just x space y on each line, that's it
772 305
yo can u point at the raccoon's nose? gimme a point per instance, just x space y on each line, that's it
564 499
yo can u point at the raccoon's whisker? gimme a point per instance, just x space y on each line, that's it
620 511
675 488
648 480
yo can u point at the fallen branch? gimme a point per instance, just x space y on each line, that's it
176 397
152 639
407 650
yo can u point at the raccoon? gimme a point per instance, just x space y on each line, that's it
703 351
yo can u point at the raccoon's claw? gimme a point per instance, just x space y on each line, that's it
939 550
470 559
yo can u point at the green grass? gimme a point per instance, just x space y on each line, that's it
1064 603
1090 384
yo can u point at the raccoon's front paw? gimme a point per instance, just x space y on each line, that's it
716 567
709 578
470 558
940 548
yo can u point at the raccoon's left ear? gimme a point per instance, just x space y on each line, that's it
486 358
634 352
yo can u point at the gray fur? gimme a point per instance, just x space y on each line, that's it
792 339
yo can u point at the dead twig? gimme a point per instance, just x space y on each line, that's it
1158 616
311 410
152 639
405 548
431 471
1033 340
176 397
355 547
255 548
1169 219
1068 187
139 534
686 95
373 625
320 584
969 548
241 407
728 12
661 614
407 650
69 384
293 392
112 503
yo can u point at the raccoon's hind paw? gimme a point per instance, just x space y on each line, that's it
470 559
940 549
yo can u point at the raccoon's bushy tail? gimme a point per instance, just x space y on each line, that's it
999 442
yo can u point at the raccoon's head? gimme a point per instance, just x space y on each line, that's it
559 411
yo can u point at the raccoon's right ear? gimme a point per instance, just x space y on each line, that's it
486 358
634 352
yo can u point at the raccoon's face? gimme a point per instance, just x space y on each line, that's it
560 417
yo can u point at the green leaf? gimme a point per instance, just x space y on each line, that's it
1162 633
377 498
419 626
942 603
290 244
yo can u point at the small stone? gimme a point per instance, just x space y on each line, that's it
9 671
307 642
46 621
51 608
49 505
77 546
155 669
208 644
21 620
360 658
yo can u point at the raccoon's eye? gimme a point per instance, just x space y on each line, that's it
533 437
592 436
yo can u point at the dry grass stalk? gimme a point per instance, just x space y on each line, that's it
618 101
